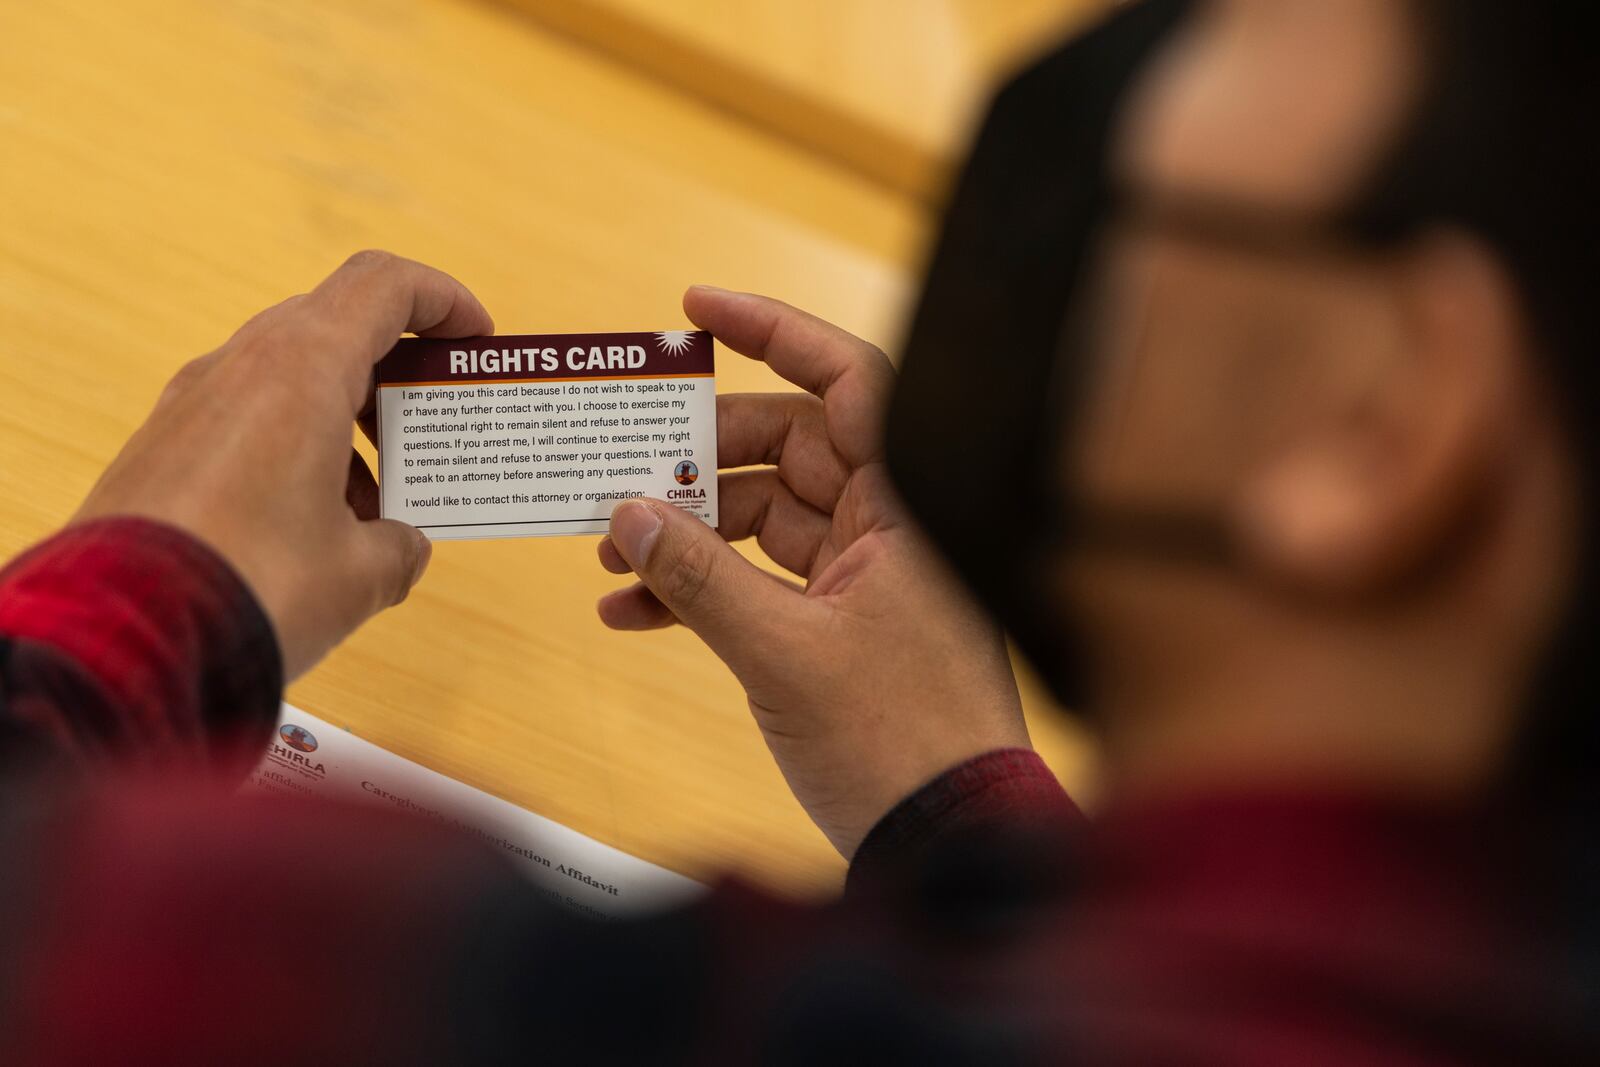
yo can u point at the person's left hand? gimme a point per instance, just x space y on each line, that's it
881 672
249 450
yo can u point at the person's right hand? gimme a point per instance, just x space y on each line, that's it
880 673
249 450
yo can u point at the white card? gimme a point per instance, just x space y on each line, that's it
527 436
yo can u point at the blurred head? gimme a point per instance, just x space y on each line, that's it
1359 422
1314 406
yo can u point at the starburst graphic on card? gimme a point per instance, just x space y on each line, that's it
674 342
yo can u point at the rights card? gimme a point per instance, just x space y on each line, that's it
537 435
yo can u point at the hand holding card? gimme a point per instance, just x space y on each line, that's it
881 673
248 449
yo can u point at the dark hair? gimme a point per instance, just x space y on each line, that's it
1501 144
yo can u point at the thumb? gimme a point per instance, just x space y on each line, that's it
390 559
712 589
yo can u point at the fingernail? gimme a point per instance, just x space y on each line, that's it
634 528
710 288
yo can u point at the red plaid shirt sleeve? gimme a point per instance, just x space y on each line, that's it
1009 787
130 641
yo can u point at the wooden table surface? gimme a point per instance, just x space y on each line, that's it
887 88
172 167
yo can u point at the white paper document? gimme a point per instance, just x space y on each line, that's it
310 757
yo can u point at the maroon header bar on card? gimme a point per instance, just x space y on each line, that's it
534 357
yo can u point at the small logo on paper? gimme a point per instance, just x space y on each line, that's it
297 737
674 342
687 473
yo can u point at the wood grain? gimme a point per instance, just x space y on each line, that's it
887 88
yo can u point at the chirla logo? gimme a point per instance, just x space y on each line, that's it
687 473
298 737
